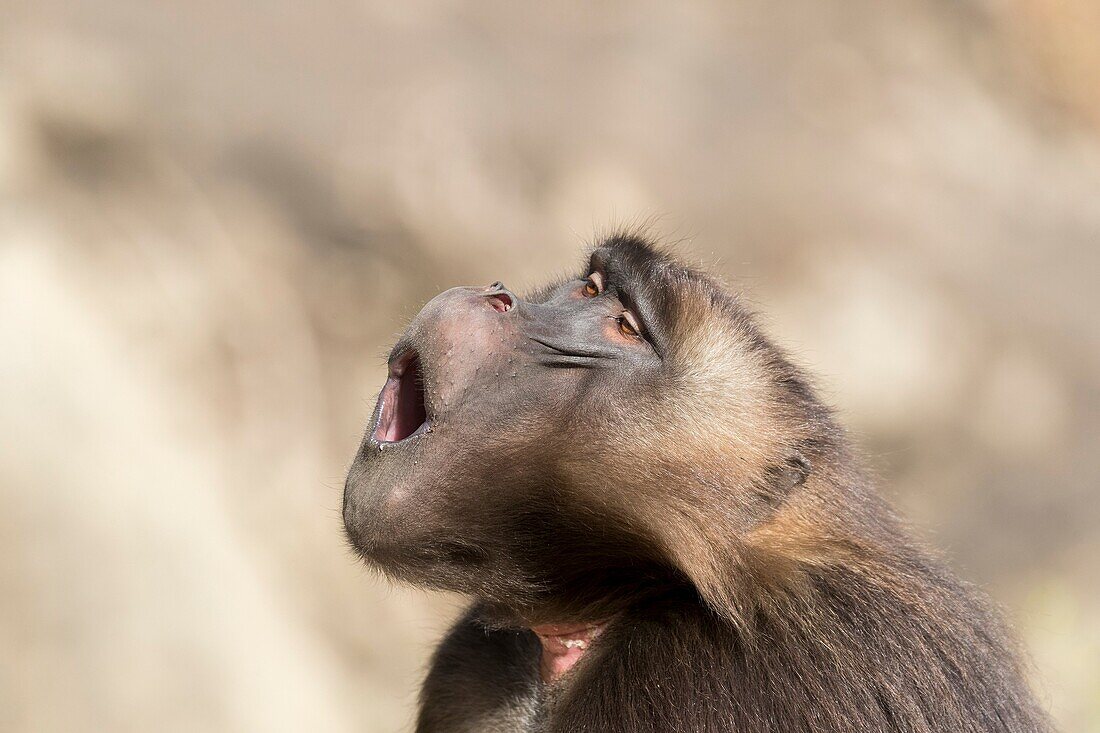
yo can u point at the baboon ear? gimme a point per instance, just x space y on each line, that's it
786 475
793 472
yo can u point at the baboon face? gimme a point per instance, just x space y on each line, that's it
560 444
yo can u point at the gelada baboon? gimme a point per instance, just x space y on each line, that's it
660 526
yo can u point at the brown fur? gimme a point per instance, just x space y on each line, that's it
710 508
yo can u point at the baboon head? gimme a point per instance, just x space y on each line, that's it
557 454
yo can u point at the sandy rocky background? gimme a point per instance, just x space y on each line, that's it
215 216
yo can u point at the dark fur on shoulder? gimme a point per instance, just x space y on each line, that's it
683 486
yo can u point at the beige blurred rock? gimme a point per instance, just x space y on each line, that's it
884 339
1023 407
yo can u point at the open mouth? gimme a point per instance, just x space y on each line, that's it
501 302
402 412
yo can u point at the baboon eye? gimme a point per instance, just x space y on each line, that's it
594 286
628 326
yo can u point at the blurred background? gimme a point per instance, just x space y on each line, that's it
215 216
